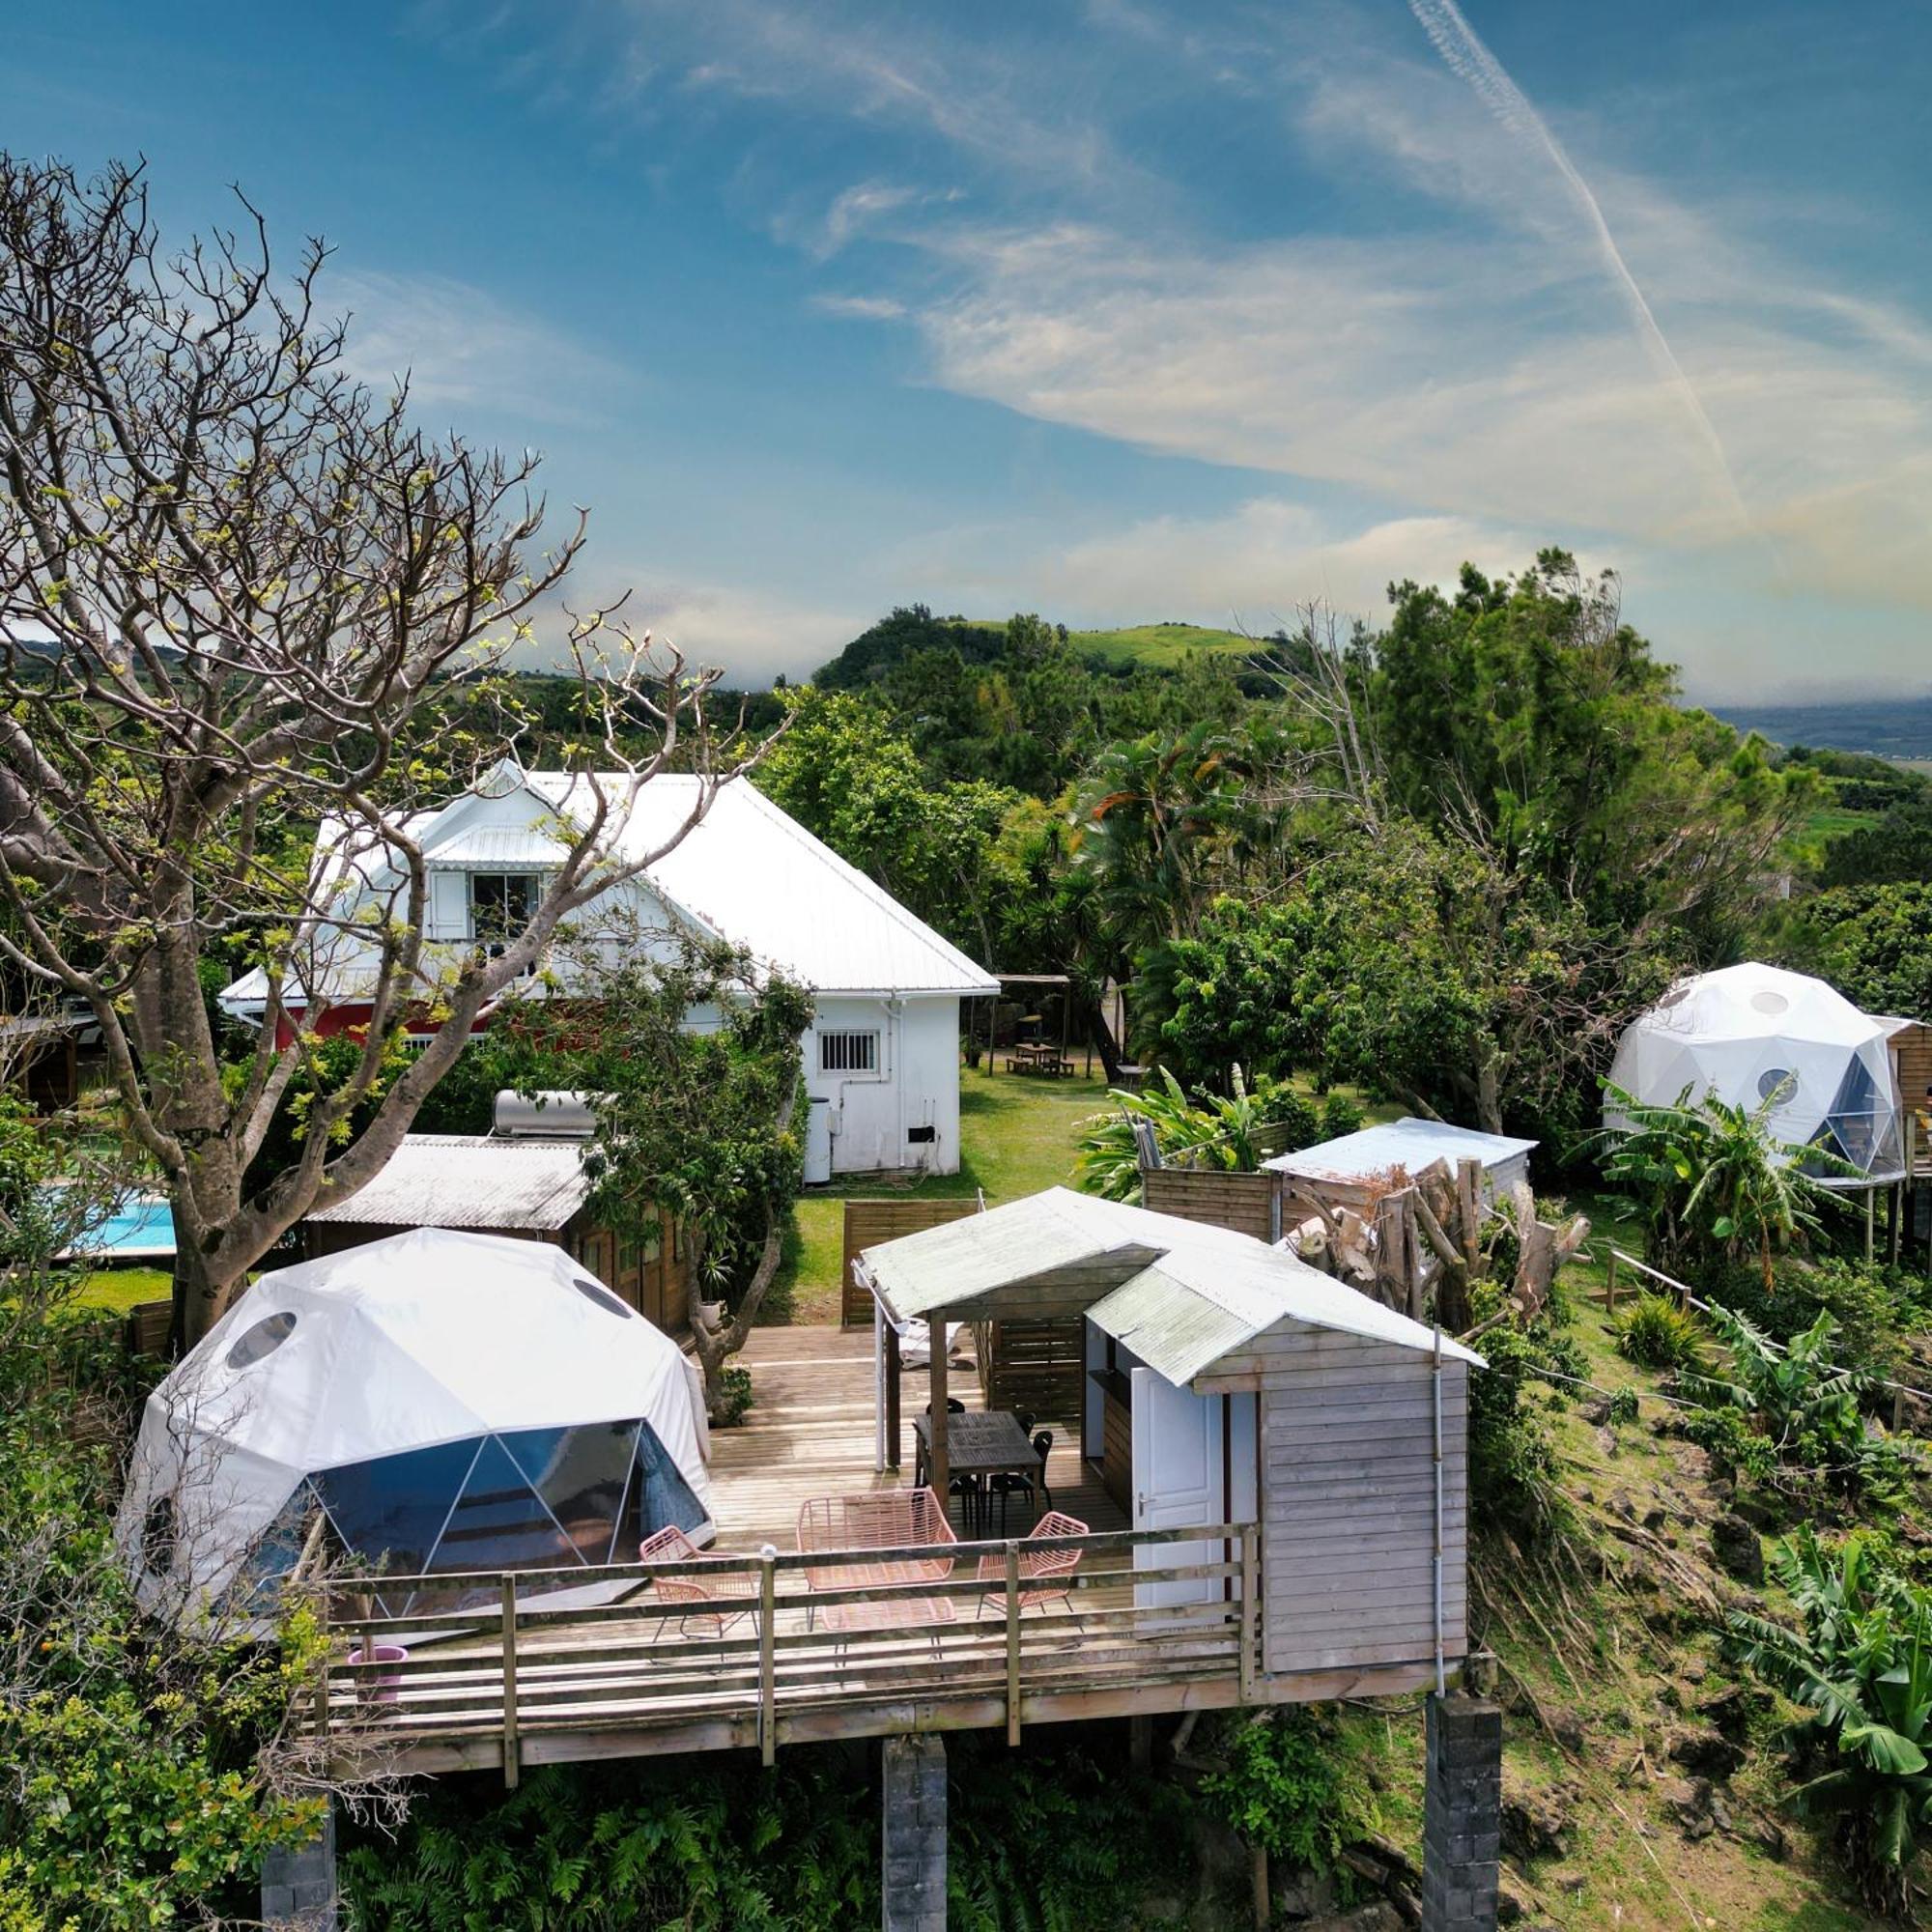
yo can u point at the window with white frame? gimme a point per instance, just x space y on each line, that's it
501 904
849 1051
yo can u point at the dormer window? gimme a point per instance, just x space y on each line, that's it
501 904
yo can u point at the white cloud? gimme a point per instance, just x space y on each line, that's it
1253 567
461 346
748 631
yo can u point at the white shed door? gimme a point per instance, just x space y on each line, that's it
1177 1482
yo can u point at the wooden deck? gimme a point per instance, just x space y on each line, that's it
809 1434
508 1679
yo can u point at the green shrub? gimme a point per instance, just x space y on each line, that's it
1340 1115
734 1386
1655 1333
709 1845
1874 1307
1053 1840
1512 1484
1288 1788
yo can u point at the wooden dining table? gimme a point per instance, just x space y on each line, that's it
982 1442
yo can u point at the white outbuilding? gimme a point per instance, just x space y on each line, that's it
1752 1033
438 1401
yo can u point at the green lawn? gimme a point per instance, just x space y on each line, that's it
1017 1134
122 1287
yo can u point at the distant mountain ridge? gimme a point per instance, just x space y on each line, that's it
1888 727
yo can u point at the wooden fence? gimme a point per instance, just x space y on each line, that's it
147 1330
870 1221
501 1679
1250 1204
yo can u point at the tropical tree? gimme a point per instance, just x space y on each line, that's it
232 580
701 1120
1713 1175
1859 1664
1872 942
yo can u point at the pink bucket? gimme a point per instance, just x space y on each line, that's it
386 1684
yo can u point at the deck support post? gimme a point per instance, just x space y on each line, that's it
299 1884
1140 1743
768 1680
912 1840
513 1763
1013 1642
1461 1814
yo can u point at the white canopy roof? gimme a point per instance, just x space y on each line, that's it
1745 1031
1186 1292
1410 1144
426 1338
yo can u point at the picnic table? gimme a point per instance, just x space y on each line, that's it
983 1442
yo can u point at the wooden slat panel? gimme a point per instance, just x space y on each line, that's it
867 1222
1243 1202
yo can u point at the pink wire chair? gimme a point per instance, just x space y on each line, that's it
672 1546
1047 1575
878 1519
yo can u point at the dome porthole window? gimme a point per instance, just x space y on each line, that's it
257 1343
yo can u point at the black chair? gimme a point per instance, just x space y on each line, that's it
1024 1417
1014 1483
972 1503
953 1406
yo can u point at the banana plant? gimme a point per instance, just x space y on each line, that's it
1860 1664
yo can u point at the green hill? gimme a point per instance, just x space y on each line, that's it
1159 644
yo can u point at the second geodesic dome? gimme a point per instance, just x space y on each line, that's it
442 1401
1746 1032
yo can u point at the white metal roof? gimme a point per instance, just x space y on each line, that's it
756 876
1409 1144
748 873
1187 1293
468 1181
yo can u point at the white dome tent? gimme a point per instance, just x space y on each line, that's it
447 1402
1748 1033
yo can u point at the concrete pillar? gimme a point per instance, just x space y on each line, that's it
913 1838
1461 1814
299 1884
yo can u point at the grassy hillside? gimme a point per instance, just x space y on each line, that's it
1158 644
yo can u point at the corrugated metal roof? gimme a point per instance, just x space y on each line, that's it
750 872
498 846
939 1267
1204 1291
468 1181
1410 1144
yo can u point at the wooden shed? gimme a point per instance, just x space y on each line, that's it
1348 1170
523 1187
1227 1381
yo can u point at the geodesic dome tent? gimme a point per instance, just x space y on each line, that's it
441 1401
1748 1031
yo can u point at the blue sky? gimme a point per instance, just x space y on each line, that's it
1118 310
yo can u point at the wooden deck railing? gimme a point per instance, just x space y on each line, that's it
511 1678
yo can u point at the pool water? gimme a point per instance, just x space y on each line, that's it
140 1226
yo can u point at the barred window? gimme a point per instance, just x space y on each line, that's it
848 1053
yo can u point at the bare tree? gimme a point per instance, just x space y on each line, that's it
234 583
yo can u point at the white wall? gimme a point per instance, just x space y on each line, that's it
916 1085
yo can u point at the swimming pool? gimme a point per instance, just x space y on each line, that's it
141 1228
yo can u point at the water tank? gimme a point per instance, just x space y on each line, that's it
558 1114
817 1140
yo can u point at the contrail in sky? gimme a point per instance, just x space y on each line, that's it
1467 57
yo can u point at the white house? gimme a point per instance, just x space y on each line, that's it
882 1056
